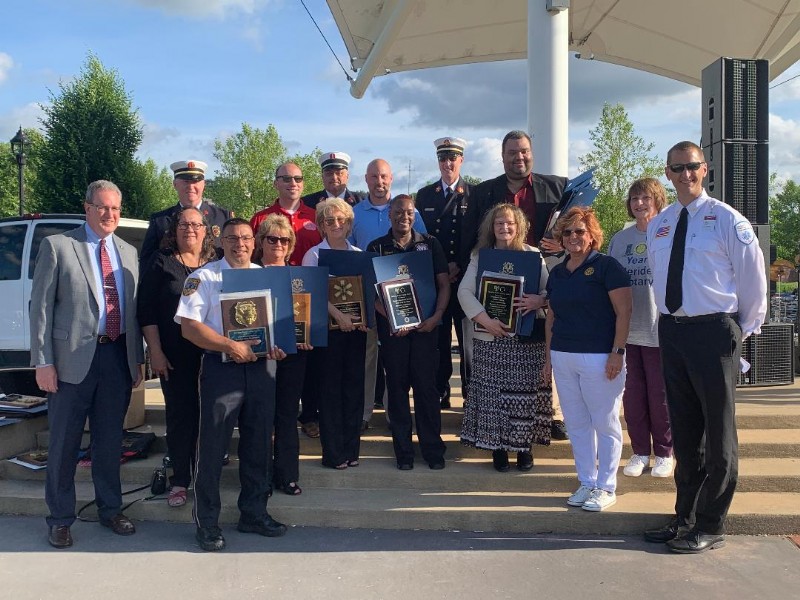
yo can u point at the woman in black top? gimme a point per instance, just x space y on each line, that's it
187 245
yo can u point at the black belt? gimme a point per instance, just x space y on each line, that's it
699 318
104 339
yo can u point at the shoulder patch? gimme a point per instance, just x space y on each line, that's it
422 246
190 286
744 232
311 226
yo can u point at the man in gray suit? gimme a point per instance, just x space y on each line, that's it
87 350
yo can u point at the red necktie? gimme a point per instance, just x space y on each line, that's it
110 294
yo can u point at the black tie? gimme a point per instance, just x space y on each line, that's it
674 297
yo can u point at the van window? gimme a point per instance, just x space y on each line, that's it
42 231
12 243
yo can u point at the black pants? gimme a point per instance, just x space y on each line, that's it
341 409
103 396
452 315
312 387
182 404
291 372
410 362
231 393
701 363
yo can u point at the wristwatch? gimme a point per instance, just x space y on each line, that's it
616 350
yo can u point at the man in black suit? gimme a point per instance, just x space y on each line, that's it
87 350
442 205
190 183
335 174
535 194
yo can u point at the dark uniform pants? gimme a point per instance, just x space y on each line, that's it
410 362
103 396
290 374
701 364
182 408
231 393
452 315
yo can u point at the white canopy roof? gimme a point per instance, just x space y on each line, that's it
675 38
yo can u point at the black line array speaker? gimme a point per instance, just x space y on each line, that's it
771 356
738 174
735 101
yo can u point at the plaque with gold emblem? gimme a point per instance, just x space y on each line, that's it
301 307
248 316
346 293
497 292
400 299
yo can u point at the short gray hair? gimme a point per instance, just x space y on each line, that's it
101 184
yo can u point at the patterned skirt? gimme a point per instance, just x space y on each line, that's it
509 407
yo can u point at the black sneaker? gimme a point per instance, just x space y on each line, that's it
558 431
210 538
267 526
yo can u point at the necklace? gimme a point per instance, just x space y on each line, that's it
189 268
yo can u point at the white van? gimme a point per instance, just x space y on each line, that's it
20 238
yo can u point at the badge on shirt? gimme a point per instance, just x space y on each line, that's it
215 230
589 271
191 285
422 247
709 222
744 232
663 231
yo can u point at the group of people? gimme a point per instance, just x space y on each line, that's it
604 325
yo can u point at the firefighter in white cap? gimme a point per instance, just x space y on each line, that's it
335 174
189 182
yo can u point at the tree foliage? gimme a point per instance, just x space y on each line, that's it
785 221
92 133
619 157
248 161
9 177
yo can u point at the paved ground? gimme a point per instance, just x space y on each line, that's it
162 561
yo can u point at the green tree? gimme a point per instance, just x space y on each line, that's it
149 191
9 177
248 161
785 220
471 180
619 157
92 133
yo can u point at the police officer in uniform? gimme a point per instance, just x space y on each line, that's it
442 205
335 175
189 182
701 327
239 392
410 356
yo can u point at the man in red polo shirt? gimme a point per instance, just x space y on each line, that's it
289 183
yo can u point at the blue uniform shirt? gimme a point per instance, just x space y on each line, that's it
371 222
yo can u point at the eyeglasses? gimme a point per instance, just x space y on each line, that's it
232 239
114 210
289 178
679 167
192 226
569 232
274 239
335 220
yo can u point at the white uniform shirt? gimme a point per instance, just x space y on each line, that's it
723 268
311 259
200 297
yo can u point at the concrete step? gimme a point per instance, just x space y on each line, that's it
377 441
377 472
513 512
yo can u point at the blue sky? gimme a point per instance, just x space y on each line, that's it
198 69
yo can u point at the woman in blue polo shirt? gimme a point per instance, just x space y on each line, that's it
586 331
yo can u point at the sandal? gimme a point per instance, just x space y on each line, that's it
177 496
292 489
311 429
352 463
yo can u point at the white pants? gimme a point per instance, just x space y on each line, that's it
591 403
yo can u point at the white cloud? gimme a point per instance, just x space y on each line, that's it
206 8
784 147
6 64
25 116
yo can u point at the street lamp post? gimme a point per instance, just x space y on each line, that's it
19 144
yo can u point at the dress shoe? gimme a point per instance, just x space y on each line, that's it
210 538
437 465
119 524
674 529
524 461
60 536
558 431
405 466
266 526
695 542
444 399
500 460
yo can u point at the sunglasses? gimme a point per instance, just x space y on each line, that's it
569 232
335 220
274 239
446 157
289 178
679 167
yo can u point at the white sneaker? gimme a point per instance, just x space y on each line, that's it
599 500
580 496
636 464
663 467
